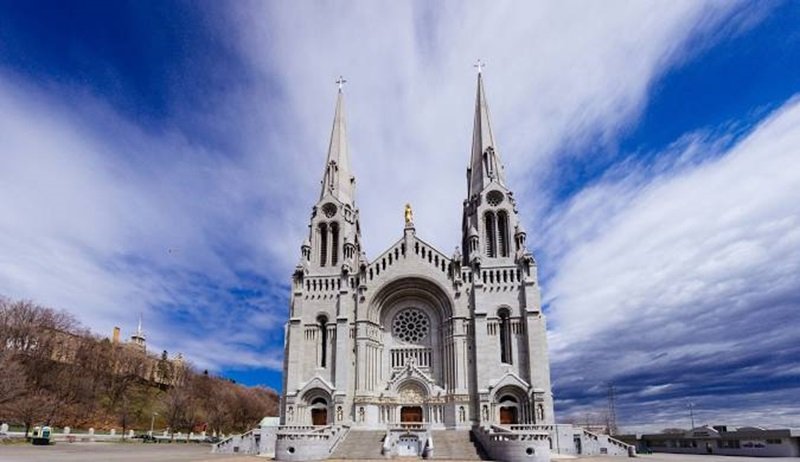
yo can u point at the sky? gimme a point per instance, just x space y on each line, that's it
160 159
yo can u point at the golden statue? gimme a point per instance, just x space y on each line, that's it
409 214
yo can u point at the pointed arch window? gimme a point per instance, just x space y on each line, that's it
491 240
334 243
502 232
505 336
322 320
488 162
323 244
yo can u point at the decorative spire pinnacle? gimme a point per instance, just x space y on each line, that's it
485 164
138 338
337 180
139 331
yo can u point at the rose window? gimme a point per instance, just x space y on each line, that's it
329 210
494 198
411 325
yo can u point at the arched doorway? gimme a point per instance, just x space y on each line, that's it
319 412
509 410
411 414
412 398
508 416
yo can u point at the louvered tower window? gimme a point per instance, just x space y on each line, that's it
491 239
323 244
334 244
502 232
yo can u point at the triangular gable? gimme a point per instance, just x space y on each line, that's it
316 382
410 371
510 378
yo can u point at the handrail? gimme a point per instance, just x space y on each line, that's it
387 443
339 437
407 426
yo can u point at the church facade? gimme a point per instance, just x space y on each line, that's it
417 336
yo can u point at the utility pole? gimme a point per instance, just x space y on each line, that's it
152 422
691 413
611 423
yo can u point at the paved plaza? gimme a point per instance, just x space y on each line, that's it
103 452
117 452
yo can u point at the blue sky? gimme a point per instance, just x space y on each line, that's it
162 157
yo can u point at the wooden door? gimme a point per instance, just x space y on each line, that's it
411 414
508 415
319 416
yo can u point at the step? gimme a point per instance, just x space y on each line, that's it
455 445
361 444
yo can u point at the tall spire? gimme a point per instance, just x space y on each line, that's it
139 331
485 165
138 338
337 180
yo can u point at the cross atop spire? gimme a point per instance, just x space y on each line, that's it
485 165
479 65
341 81
337 180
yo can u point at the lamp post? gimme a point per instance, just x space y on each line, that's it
152 422
691 412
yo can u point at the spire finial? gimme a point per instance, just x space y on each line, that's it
485 166
479 65
337 179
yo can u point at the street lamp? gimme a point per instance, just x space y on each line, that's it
691 412
152 422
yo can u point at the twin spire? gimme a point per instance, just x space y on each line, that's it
485 165
337 180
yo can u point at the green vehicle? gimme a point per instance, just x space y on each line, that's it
41 435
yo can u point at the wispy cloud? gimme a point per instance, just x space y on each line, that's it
557 75
108 221
688 274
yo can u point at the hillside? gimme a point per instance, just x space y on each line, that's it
57 372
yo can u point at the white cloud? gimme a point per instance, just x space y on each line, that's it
558 74
107 221
697 264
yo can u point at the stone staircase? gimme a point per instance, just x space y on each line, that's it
456 445
361 444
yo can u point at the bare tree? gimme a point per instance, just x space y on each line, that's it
32 408
177 409
12 379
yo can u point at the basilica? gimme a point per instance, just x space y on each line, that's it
401 353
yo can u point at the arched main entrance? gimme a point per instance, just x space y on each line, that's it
412 311
412 398
411 414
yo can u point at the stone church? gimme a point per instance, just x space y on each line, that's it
417 341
